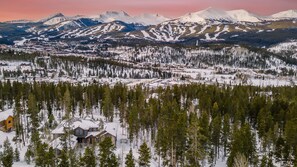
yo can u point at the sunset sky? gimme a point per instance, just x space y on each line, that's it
36 9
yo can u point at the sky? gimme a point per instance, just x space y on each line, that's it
36 9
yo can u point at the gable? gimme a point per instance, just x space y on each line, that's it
9 118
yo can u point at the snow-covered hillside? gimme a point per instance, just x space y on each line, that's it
150 19
53 19
288 49
244 16
205 15
289 14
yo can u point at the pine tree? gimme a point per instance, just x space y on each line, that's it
106 155
144 155
195 151
226 133
67 103
50 157
73 162
129 159
63 159
16 155
40 157
107 106
81 159
28 155
6 156
244 144
33 111
89 158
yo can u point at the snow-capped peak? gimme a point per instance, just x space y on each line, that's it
244 16
211 14
206 15
289 14
53 19
144 19
150 19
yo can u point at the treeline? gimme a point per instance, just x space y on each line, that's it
188 125
77 67
216 55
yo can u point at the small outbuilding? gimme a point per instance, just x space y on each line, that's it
6 120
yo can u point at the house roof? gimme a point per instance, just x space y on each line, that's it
5 114
111 128
93 134
74 123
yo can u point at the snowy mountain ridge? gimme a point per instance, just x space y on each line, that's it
144 19
209 25
286 14
106 17
53 19
202 17
212 14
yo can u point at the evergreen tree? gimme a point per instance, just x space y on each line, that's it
144 155
226 133
243 144
129 159
50 157
63 159
67 103
33 111
195 151
73 158
28 155
216 135
106 155
6 156
81 160
41 155
89 158
107 104
16 155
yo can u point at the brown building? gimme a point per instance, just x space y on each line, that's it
6 120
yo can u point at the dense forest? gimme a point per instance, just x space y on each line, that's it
189 125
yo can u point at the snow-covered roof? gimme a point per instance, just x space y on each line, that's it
58 144
5 114
93 134
111 128
74 123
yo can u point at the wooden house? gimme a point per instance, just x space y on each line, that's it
104 134
85 131
6 120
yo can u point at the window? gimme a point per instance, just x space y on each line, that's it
79 132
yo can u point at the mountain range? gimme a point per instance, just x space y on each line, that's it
206 26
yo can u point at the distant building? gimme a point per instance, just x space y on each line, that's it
83 132
6 120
